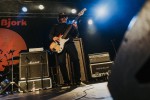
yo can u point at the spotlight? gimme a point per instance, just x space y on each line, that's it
102 11
41 7
73 11
90 21
24 9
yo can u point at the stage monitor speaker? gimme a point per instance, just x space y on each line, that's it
33 65
129 79
79 46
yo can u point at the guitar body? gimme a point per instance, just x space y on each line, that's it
58 46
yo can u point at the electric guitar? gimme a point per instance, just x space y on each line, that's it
58 46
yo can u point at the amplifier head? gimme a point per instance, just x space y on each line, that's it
99 57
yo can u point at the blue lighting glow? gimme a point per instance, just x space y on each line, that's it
73 11
24 9
102 11
90 21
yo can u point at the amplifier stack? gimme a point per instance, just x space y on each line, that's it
100 64
34 71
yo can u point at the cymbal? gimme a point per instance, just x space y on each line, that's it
14 58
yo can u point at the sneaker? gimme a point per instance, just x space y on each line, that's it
80 84
65 86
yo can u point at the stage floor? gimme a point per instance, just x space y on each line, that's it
97 91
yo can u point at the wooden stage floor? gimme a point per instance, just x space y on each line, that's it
97 91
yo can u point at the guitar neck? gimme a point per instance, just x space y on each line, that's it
69 27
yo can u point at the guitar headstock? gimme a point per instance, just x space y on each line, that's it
82 12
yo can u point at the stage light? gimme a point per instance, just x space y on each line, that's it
102 11
41 7
90 21
91 29
73 11
24 9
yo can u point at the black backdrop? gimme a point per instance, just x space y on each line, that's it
35 33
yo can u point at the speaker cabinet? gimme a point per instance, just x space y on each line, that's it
47 83
79 46
100 69
33 65
129 78
80 50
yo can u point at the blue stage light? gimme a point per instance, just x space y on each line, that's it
73 11
24 9
90 21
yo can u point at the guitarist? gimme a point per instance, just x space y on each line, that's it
69 48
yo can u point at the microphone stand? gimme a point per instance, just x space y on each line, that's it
12 82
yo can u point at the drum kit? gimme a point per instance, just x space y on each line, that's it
9 70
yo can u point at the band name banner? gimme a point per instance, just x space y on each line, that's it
8 22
